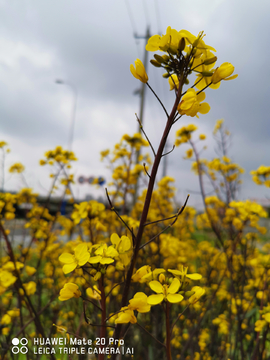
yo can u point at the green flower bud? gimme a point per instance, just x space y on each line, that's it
198 39
186 82
168 67
172 50
166 58
207 73
182 44
166 75
155 63
160 59
189 293
210 61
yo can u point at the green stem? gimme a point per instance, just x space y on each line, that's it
102 333
168 332
147 202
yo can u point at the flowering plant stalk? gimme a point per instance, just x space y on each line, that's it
184 54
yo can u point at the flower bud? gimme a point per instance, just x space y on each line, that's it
155 63
160 59
223 72
97 276
207 73
166 58
161 278
166 75
189 293
139 71
181 44
172 50
210 60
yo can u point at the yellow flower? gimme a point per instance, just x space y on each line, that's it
5 330
80 258
184 134
190 104
125 316
6 278
152 275
164 292
173 82
69 291
18 167
139 303
93 294
6 319
30 287
259 325
199 292
123 246
140 273
30 270
104 255
62 330
223 72
183 273
189 154
139 73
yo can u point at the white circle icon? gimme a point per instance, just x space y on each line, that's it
24 341
24 350
15 341
15 349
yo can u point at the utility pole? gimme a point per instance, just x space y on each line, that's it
142 95
73 114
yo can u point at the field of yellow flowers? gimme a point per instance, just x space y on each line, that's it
138 277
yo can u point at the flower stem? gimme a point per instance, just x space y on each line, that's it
168 332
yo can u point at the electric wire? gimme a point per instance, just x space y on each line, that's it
133 26
159 25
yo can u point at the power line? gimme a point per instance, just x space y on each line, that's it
130 15
146 13
158 16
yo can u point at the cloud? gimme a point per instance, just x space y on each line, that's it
91 45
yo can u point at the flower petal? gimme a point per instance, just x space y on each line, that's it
174 298
194 276
156 286
66 258
67 268
155 299
174 287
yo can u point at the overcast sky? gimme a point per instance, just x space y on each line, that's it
90 44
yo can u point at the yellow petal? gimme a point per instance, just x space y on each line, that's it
67 268
114 237
204 108
155 299
66 258
156 286
175 285
194 276
174 298
105 261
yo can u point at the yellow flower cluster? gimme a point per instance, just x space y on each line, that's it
184 134
261 176
16 168
59 156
